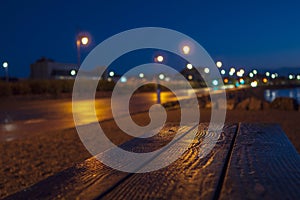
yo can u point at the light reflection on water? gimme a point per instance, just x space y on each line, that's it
270 95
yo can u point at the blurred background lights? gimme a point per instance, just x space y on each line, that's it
190 77
215 82
73 72
206 70
189 66
265 80
251 75
219 64
141 75
232 70
84 40
123 79
186 49
161 76
242 81
254 71
111 73
273 76
254 84
223 71
291 77
5 64
267 73
160 58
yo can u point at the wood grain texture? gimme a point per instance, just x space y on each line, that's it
187 178
91 178
263 165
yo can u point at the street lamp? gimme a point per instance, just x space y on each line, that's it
186 49
141 75
73 72
219 64
206 70
160 59
189 66
5 66
81 40
111 73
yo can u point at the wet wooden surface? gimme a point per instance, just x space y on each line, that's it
249 161
263 164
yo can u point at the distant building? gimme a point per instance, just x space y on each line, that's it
45 68
48 69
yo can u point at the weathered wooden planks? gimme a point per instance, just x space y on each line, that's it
91 178
264 164
187 178
249 161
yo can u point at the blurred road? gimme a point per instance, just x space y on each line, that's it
21 118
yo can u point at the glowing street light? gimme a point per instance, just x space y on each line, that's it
161 76
232 69
141 75
215 82
186 49
219 64
273 76
265 80
81 40
123 79
111 73
242 71
189 66
84 40
206 70
160 58
254 84
239 74
73 72
5 66
242 81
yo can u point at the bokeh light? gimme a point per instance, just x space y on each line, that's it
189 66
186 49
219 64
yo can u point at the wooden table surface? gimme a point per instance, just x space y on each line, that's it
249 161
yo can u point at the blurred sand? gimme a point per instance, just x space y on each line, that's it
27 161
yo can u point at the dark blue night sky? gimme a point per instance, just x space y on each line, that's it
249 34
